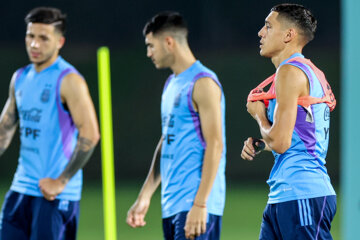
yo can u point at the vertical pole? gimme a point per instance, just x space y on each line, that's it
107 151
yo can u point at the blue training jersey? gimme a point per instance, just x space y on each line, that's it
300 172
184 146
48 135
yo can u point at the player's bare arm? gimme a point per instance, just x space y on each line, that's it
137 212
206 100
8 119
291 83
75 95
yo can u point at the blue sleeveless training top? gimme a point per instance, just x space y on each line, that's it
183 147
48 135
300 172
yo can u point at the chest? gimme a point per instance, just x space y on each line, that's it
176 98
35 95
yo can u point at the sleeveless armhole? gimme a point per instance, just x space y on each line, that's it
307 72
194 114
67 126
18 74
61 77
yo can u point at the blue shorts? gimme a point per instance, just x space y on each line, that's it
25 217
299 219
173 227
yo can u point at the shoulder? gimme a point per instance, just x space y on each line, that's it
289 74
206 82
72 82
18 73
205 88
205 75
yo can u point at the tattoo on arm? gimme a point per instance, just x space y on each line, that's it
8 124
82 153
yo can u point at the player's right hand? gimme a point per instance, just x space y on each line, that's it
136 214
248 151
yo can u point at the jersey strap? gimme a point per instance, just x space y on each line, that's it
258 93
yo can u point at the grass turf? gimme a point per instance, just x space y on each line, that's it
241 220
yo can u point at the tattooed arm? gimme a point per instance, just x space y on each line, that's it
8 119
75 95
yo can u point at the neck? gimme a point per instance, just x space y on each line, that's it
184 58
41 66
285 54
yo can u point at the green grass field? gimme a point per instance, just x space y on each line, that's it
242 216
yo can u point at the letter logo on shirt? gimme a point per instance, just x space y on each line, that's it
32 115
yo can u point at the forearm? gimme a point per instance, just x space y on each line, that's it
82 153
6 135
275 136
151 183
8 125
210 167
153 179
265 128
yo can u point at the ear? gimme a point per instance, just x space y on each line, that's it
169 42
61 42
290 35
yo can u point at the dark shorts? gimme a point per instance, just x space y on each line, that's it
173 227
299 219
25 217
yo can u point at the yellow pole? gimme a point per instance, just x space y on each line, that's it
107 151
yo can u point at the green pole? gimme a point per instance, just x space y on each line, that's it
350 127
107 151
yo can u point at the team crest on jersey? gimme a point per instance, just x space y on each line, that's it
177 100
327 114
45 95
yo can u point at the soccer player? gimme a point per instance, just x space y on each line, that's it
295 126
50 101
192 147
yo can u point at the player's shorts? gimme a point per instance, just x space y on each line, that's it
25 217
303 219
173 227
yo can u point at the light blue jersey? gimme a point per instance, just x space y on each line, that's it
183 147
47 133
300 172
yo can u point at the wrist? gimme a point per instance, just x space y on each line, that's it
144 198
63 180
199 205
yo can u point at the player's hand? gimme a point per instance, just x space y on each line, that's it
248 151
136 214
195 224
50 188
256 109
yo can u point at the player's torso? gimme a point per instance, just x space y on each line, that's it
300 172
183 146
47 133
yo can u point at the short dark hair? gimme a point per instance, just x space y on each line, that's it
165 21
300 16
48 15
